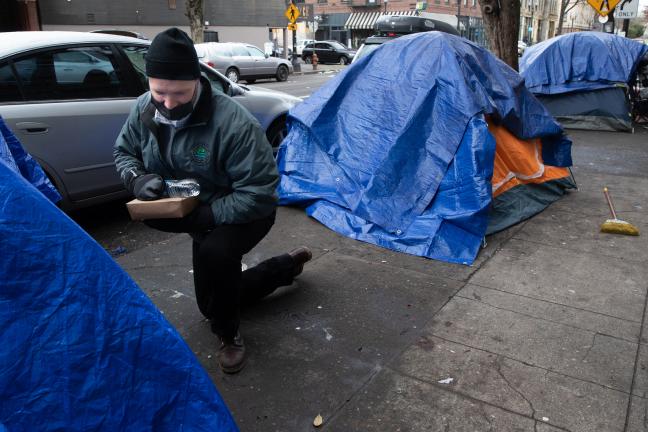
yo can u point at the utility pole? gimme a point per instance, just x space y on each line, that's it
459 16
385 2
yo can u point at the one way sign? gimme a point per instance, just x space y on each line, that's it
627 9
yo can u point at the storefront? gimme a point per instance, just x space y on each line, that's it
360 24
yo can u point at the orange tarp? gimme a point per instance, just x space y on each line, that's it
519 162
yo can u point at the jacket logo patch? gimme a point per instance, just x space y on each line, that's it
200 154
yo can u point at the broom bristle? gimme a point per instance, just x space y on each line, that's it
617 226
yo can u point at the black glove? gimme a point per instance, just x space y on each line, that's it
199 220
148 187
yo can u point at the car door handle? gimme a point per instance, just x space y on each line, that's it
32 127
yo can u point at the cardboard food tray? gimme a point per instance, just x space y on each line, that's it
165 208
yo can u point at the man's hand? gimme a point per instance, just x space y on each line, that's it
199 220
148 187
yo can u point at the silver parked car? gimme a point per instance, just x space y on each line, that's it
66 95
243 61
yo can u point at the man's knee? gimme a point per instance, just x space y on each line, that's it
214 248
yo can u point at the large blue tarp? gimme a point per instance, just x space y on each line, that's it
82 348
580 61
396 150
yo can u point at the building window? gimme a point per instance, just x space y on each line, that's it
172 4
474 4
322 1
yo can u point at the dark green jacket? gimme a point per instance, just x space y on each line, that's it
222 146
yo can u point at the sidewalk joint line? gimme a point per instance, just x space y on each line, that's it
556 303
634 373
545 319
449 389
580 251
526 363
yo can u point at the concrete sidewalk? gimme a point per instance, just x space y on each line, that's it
307 69
545 332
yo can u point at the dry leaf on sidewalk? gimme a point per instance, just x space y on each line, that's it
318 421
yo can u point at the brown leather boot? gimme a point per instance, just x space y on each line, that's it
231 355
300 256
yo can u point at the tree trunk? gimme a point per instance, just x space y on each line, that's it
502 24
195 15
544 28
561 14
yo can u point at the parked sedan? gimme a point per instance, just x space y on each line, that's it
66 95
242 61
328 52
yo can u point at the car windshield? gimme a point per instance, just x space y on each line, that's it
337 45
366 49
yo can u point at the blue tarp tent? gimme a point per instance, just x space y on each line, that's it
82 347
396 150
582 78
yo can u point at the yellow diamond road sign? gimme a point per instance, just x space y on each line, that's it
292 26
603 7
292 13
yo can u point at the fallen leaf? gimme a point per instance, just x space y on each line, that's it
318 421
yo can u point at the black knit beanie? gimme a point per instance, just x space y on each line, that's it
172 56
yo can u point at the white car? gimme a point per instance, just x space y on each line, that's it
521 47
301 44
66 95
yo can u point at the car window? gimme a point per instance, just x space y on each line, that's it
201 50
222 50
255 52
322 46
213 78
136 56
309 46
9 91
337 45
239 50
366 49
73 73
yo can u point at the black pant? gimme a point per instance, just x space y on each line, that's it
221 285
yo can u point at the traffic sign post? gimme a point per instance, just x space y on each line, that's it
292 13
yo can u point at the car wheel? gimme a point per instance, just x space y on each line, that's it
343 60
232 75
276 134
307 60
250 81
282 73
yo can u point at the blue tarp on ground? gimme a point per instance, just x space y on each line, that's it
82 348
396 150
580 61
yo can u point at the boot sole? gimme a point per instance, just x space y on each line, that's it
234 369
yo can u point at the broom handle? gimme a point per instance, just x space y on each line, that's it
609 201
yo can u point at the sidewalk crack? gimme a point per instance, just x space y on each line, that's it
587 353
499 362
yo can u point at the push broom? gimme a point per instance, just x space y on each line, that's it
616 225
